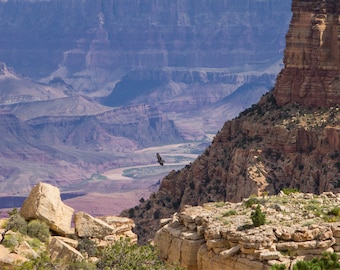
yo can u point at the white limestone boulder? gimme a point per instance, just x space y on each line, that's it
44 203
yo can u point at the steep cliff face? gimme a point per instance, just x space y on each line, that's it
272 145
311 73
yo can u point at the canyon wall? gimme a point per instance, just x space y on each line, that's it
40 37
311 73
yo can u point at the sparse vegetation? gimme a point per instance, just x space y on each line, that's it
251 201
15 223
39 263
87 246
220 204
11 241
258 217
328 261
124 255
333 215
288 191
38 229
228 213
335 211
278 267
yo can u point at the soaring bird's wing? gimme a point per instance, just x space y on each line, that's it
159 159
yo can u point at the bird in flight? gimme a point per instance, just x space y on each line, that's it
159 159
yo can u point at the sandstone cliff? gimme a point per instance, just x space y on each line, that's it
272 145
311 73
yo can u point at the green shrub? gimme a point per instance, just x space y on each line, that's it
335 211
123 255
34 243
228 213
16 222
328 261
251 201
83 265
86 245
39 230
11 241
288 191
43 262
219 204
278 267
258 217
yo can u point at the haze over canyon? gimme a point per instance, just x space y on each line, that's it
92 86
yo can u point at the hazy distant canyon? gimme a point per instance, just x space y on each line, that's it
86 85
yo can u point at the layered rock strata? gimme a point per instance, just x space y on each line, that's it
312 69
221 236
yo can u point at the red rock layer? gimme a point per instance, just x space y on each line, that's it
311 74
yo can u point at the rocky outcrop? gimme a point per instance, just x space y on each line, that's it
311 73
88 226
8 259
61 251
105 230
44 203
220 236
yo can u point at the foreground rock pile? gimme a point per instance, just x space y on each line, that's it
221 235
44 204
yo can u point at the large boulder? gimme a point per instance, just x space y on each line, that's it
61 251
8 259
105 230
88 226
44 203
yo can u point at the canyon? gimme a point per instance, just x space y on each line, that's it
277 143
280 155
86 86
